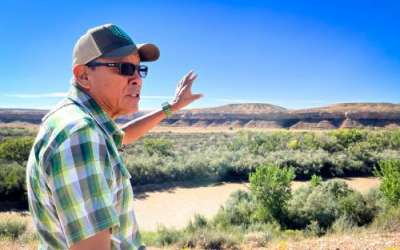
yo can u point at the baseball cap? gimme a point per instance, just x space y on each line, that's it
109 41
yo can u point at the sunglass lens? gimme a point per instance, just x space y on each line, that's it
143 70
127 69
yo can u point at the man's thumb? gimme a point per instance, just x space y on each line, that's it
197 96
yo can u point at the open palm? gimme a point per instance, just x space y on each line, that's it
183 94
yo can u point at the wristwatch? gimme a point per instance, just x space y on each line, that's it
167 109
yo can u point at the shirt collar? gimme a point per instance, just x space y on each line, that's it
90 106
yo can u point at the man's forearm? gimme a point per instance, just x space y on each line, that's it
138 127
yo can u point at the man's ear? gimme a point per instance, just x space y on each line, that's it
81 76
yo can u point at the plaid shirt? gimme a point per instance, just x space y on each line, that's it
77 182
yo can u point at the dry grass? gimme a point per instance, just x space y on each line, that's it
363 239
6 244
23 217
25 241
23 125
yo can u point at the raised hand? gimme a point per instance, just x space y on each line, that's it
183 94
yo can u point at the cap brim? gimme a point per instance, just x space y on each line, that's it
148 52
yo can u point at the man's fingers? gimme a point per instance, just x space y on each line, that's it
185 79
181 90
191 82
197 96
193 77
188 75
190 78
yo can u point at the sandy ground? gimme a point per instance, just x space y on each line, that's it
174 207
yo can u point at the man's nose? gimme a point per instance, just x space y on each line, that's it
135 79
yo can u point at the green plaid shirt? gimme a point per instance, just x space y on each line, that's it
77 182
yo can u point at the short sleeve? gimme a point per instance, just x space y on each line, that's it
78 186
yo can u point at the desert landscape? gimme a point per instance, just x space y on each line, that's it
258 116
196 194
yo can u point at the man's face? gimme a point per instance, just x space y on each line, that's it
117 94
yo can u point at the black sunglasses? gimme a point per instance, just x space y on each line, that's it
126 69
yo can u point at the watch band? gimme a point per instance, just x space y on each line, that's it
167 109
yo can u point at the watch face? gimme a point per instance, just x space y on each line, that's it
166 107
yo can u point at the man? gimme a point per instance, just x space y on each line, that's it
79 190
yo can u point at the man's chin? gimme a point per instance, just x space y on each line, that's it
132 111
127 112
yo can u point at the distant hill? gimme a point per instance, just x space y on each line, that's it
262 115
356 107
21 115
253 115
242 108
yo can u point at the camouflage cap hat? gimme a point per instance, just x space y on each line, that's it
110 41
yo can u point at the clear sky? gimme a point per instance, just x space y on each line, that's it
296 54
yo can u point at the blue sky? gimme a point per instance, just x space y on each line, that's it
296 54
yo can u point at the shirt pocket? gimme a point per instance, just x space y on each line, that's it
122 168
117 162
121 182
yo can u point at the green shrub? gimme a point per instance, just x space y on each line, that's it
312 206
12 183
16 149
326 203
234 166
165 236
258 239
328 143
304 163
158 146
238 210
354 208
314 229
394 139
12 229
148 170
198 222
12 132
270 186
149 238
346 137
315 180
211 239
162 157
343 225
388 219
308 141
374 201
260 234
260 143
389 172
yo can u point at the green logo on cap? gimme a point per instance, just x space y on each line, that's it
119 32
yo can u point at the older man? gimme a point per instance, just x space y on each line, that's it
79 190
